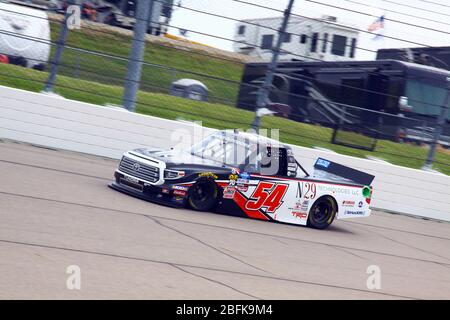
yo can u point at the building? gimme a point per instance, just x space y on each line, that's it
306 39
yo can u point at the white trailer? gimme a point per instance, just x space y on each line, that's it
306 39
25 35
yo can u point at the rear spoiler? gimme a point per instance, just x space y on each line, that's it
343 171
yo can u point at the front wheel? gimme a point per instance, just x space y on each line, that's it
322 213
203 195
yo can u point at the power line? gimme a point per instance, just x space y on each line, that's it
206 75
436 3
371 15
398 12
417 8
332 23
214 77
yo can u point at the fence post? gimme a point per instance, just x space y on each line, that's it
60 43
134 70
263 94
438 130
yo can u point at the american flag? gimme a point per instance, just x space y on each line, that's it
377 24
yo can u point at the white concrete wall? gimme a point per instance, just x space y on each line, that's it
71 125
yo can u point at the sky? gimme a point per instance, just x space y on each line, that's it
416 15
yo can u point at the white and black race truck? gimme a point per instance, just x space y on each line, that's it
247 175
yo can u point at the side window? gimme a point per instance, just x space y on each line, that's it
267 41
274 162
241 30
352 48
303 38
314 39
325 42
338 46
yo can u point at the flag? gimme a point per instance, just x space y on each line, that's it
377 25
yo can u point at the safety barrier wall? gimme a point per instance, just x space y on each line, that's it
56 122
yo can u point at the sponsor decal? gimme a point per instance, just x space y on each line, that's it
131 179
243 181
267 195
242 188
208 175
334 189
360 204
300 209
299 190
244 175
179 193
233 177
322 163
234 171
289 152
304 206
299 214
164 190
232 183
354 213
348 203
178 199
182 188
310 190
228 192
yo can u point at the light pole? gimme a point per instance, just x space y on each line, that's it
263 94
60 43
438 130
134 70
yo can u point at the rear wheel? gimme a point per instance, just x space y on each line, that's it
322 213
203 195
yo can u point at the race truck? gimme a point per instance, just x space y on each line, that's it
245 174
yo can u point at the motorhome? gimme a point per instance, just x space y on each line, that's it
394 98
306 39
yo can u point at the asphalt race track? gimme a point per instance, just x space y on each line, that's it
56 210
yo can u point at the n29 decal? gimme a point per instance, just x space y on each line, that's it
310 190
267 195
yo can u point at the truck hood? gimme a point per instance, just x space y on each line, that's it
178 158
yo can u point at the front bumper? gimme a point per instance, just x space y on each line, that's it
162 194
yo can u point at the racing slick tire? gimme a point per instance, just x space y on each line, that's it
322 213
203 195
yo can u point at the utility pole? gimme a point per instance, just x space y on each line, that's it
134 70
264 91
438 130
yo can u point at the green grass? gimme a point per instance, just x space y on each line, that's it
154 79
216 116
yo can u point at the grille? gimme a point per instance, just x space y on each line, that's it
139 170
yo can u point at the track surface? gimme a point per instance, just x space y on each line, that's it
56 210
